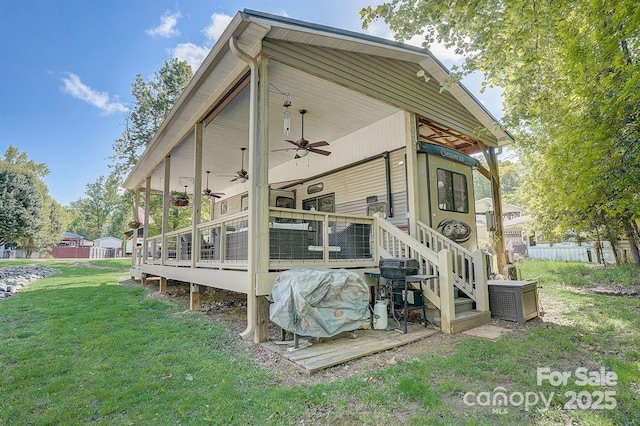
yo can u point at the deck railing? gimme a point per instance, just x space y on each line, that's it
393 242
297 238
153 250
453 266
312 238
463 259
224 243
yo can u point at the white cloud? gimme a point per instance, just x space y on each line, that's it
167 27
218 24
77 89
191 53
194 54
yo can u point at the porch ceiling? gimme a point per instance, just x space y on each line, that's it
332 112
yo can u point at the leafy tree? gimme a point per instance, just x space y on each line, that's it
29 217
571 78
21 204
511 173
13 156
95 209
153 101
50 232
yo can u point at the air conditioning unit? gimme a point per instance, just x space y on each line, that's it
515 301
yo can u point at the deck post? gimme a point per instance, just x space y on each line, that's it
262 325
482 287
163 285
194 297
447 302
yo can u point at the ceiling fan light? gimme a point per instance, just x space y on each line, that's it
302 153
242 179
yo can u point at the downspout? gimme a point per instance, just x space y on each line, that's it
252 313
387 175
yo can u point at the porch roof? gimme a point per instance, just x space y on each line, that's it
334 110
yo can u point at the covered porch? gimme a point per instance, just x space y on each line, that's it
364 97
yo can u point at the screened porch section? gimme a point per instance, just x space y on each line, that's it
297 238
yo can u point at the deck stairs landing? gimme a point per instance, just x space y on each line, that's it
461 288
467 317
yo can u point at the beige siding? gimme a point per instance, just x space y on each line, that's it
398 187
391 81
387 134
233 206
353 185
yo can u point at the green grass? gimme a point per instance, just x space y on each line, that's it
79 348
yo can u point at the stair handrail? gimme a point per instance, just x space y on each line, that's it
464 277
393 242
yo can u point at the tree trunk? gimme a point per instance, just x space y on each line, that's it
612 237
629 229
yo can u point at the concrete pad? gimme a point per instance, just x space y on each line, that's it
487 331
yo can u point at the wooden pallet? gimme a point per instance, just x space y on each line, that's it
343 348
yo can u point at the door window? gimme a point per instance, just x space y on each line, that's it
453 195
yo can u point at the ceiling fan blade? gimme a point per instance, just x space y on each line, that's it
319 151
234 179
282 149
320 143
293 142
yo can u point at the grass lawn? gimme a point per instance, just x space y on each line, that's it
80 348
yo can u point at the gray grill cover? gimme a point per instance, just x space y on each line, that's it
319 302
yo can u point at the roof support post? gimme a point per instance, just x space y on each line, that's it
491 156
145 229
198 132
255 178
134 233
413 196
259 201
165 207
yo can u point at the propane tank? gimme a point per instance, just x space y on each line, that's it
380 315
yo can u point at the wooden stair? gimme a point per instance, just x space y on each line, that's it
466 316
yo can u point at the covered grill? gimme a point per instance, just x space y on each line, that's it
397 268
319 302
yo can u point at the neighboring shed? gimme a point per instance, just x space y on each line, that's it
108 242
69 239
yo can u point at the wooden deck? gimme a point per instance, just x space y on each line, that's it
343 348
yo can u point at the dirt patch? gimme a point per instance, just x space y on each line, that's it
615 290
553 310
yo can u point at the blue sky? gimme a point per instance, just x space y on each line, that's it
65 82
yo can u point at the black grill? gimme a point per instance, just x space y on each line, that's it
398 268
